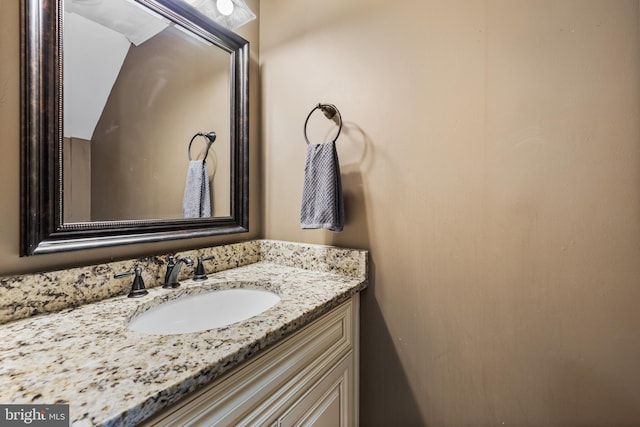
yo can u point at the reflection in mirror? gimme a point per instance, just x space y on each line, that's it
141 78
137 88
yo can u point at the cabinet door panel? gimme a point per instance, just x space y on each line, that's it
327 403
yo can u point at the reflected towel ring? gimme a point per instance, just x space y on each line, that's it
330 112
210 137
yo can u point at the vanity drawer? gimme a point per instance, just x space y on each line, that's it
261 390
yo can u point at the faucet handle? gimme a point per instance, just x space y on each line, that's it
201 274
137 287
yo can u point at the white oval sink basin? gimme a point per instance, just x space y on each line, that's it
194 313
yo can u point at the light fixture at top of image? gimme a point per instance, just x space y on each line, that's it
225 7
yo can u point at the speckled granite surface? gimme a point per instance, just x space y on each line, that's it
30 294
109 375
27 295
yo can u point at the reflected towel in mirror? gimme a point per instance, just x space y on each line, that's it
196 202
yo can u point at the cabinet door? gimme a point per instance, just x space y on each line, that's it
328 403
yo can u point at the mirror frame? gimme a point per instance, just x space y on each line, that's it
42 227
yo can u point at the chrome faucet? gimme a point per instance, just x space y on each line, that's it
173 269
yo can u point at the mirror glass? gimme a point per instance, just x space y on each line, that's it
137 88
111 153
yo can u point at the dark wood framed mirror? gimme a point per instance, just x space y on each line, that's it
44 226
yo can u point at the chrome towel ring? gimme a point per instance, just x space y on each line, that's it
330 112
210 137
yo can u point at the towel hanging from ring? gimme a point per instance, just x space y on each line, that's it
322 200
196 202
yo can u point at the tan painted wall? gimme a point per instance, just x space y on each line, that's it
10 262
491 164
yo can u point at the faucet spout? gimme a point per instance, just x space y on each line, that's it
173 269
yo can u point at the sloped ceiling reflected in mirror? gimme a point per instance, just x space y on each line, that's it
96 40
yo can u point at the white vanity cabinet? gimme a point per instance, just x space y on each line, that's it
308 379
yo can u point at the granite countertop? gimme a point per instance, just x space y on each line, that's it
109 375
